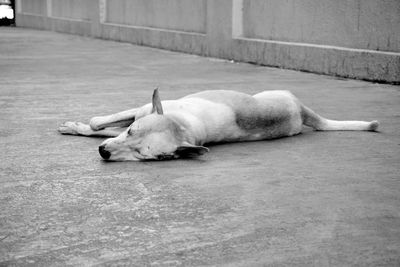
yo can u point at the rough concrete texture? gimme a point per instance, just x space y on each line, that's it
320 198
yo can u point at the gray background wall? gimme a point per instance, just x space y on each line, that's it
362 24
350 38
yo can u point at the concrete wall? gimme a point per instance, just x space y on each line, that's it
38 7
183 15
350 38
71 9
361 24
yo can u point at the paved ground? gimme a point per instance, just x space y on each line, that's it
320 198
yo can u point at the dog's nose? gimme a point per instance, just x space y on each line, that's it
103 152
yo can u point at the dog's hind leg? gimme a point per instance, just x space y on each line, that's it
79 128
120 119
312 119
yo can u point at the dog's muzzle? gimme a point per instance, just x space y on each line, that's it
104 153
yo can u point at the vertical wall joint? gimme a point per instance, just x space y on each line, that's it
102 10
49 5
237 18
18 7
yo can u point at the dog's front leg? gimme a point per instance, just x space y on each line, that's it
79 128
120 119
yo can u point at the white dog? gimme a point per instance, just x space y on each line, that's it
179 128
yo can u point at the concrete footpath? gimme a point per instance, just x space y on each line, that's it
316 199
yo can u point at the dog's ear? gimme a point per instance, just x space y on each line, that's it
187 150
156 101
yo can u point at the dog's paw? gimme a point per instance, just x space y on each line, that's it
72 127
374 126
68 127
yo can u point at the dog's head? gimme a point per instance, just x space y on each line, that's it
152 137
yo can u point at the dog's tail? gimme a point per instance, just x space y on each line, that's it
319 123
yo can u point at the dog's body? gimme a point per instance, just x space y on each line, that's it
175 128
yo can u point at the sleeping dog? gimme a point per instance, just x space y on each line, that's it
179 128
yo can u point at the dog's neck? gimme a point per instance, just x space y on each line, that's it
192 129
